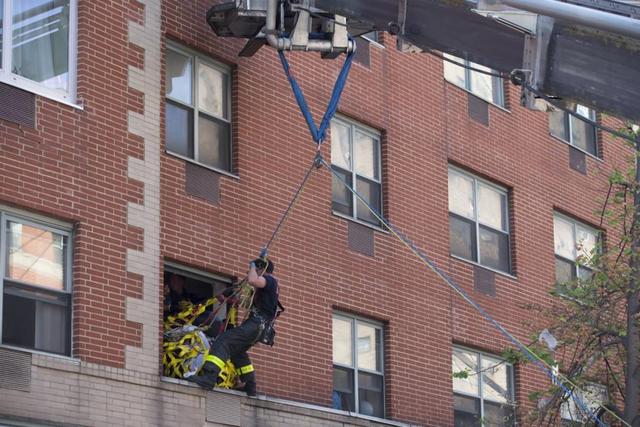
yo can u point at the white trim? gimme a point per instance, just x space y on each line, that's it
564 141
68 97
198 274
62 357
468 261
479 357
58 227
355 126
465 64
354 320
503 191
361 222
190 160
196 59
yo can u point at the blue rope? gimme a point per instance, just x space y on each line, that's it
523 349
318 133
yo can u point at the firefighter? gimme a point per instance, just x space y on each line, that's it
234 343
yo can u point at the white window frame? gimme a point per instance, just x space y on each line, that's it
195 83
585 395
355 320
476 180
568 123
479 356
6 76
369 131
44 224
496 81
575 225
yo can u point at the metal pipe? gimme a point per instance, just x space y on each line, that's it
284 43
580 15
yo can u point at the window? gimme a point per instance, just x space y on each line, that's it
593 396
573 242
198 109
355 156
489 88
478 221
36 285
38 46
485 394
358 379
571 129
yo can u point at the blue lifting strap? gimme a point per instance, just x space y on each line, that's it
318 134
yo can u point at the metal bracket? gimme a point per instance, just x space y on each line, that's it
536 53
300 34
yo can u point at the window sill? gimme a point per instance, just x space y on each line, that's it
41 353
35 88
211 168
357 221
502 273
564 141
499 107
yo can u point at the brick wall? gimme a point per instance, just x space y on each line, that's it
98 168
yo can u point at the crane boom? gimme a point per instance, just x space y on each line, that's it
579 51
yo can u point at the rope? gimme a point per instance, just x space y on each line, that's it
318 133
537 360
288 210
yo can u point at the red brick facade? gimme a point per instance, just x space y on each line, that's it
73 167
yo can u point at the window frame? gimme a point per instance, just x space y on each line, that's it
68 97
197 59
568 128
480 395
44 224
495 81
376 135
502 190
355 320
575 224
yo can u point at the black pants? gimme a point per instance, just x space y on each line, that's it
233 344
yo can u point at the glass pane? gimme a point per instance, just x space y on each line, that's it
494 249
41 41
492 206
558 125
563 238
584 273
52 327
370 396
454 73
342 341
461 195
340 151
496 414
462 237
179 130
366 156
466 411
214 143
36 319
482 84
342 199
212 88
369 347
370 191
583 135
586 243
35 256
179 76
465 361
343 397
18 321
565 270
496 380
